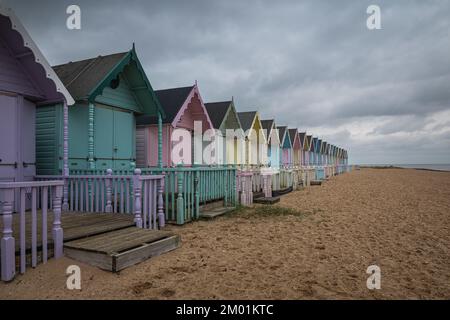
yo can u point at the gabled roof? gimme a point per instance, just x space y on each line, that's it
310 142
171 101
217 112
323 149
293 135
302 137
271 129
37 67
268 125
247 119
284 134
86 79
81 77
316 144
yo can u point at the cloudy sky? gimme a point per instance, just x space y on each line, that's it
382 94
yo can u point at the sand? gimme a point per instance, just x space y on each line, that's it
320 248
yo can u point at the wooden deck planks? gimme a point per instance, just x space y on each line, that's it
119 249
117 241
75 226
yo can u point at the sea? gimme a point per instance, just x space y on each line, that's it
441 167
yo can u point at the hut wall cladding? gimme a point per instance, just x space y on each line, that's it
147 153
13 78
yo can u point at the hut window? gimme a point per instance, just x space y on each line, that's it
114 83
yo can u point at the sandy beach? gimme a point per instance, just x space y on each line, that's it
315 244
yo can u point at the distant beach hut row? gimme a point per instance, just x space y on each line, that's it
94 136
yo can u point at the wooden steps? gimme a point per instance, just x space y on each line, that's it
215 212
119 249
268 200
281 192
316 182
257 195
110 241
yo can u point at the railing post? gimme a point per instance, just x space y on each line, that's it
57 231
197 194
161 217
108 183
8 259
137 186
180 200
65 206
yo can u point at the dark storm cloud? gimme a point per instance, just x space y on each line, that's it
311 64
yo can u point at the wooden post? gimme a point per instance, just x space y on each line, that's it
108 185
160 162
65 206
8 259
161 217
137 185
180 200
58 236
91 162
197 194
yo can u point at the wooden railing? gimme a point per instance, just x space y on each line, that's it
13 193
187 188
132 193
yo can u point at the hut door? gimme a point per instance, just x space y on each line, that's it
28 138
123 139
104 126
8 138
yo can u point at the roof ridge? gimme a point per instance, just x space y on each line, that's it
177 88
89 65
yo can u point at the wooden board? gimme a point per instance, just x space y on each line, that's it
267 200
117 250
75 226
213 213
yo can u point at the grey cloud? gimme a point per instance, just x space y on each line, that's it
311 64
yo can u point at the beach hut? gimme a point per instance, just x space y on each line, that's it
322 153
302 139
310 150
286 147
224 117
183 107
314 148
296 147
255 138
110 91
27 85
273 142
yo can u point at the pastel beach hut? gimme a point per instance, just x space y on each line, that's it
302 139
273 143
286 147
183 108
296 147
255 140
315 146
27 83
224 117
310 152
110 91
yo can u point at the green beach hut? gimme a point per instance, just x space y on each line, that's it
109 92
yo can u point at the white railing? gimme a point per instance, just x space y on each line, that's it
12 193
141 195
